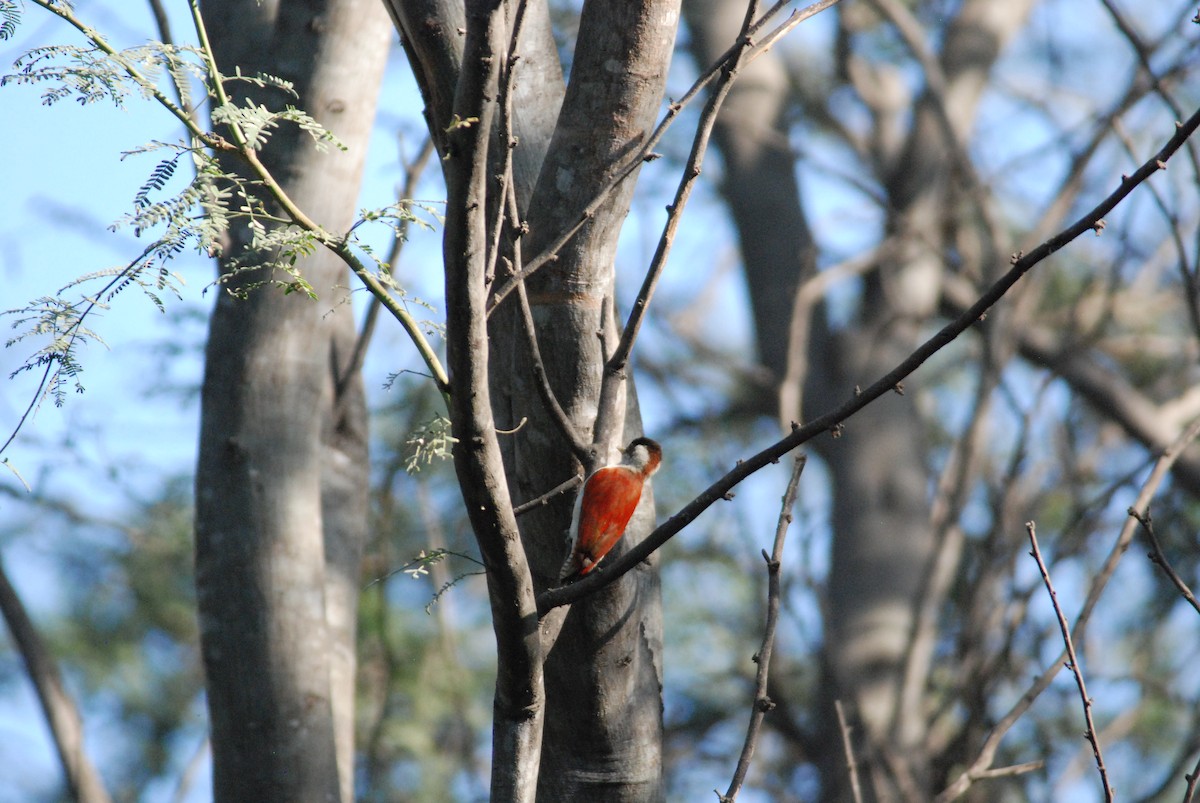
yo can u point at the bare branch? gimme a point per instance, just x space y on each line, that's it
549 400
1143 517
988 752
1021 264
848 749
1014 769
611 413
646 152
1072 663
762 702
61 714
545 498
1157 557
1190 793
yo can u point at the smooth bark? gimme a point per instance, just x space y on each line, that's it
282 475
603 682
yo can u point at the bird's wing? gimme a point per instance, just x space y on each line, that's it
610 497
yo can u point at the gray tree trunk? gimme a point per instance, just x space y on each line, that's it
603 728
282 478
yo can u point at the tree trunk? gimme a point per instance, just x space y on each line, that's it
282 478
603 677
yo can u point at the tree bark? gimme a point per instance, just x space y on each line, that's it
604 674
282 478
603 681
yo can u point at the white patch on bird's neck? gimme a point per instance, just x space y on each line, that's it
638 458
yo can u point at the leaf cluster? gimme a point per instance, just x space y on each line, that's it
90 74
215 207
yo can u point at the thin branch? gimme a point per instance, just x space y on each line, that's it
1012 769
848 749
1190 793
987 753
61 713
505 140
611 413
1021 264
762 702
646 152
1158 558
549 400
1072 663
561 420
691 172
545 498
1156 555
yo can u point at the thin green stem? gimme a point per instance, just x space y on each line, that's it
63 12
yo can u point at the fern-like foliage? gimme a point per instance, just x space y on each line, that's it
432 442
58 323
258 122
89 74
208 208
10 18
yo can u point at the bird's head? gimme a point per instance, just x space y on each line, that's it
643 454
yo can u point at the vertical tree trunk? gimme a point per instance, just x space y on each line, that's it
604 674
282 475
603 677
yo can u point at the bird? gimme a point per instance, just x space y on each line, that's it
605 505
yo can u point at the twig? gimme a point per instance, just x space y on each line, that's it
1072 663
1189 794
611 411
691 172
1158 558
545 498
1012 769
549 400
646 152
412 173
987 753
1022 264
848 749
762 702
61 713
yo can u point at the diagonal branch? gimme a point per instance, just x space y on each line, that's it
1072 662
1158 558
762 703
646 152
980 767
610 416
61 714
1021 264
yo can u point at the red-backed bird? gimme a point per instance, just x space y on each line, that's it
605 505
